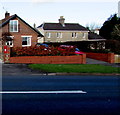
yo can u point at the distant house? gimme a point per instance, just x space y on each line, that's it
93 36
19 33
63 32
96 41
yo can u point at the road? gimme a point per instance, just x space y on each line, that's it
61 95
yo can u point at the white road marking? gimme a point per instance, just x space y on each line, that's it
42 92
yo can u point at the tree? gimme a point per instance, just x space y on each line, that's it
108 26
111 31
92 26
116 32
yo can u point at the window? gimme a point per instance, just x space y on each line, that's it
48 35
26 40
84 35
13 25
10 41
74 35
59 35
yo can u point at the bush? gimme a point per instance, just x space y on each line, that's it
41 51
113 45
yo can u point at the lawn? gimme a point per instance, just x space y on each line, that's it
75 68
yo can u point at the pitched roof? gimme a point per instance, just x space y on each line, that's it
58 26
92 35
5 21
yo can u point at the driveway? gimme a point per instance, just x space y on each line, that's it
93 61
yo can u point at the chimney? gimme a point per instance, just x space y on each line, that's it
34 25
62 21
7 14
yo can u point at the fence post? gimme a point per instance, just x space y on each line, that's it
83 58
111 58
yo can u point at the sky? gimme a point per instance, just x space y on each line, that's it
84 12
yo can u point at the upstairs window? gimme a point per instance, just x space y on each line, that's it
48 35
13 25
26 40
74 35
59 35
84 35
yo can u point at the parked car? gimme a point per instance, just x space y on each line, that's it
41 44
75 49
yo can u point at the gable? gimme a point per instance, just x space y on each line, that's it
6 21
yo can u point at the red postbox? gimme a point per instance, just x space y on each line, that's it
5 49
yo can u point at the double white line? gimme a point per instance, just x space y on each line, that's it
43 92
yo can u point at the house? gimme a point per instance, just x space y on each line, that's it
96 41
17 33
63 32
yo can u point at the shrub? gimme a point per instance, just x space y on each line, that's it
41 51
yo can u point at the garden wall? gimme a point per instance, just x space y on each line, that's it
107 57
80 59
117 58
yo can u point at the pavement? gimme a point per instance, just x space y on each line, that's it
19 69
22 69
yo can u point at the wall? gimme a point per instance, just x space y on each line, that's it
81 59
74 59
66 36
107 57
117 58
24 30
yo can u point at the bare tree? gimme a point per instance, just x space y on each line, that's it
92 26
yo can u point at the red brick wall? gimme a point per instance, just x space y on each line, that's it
107 57
81 59
24 30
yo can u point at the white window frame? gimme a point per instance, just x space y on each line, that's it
84 35
59 35
74 35
48 35
27 40
9 42
13 28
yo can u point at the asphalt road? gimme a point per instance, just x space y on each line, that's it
101 95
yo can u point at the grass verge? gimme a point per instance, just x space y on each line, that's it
74 68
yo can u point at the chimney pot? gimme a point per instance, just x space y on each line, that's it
62 20
7 14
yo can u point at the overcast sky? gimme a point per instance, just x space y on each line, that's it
74 11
